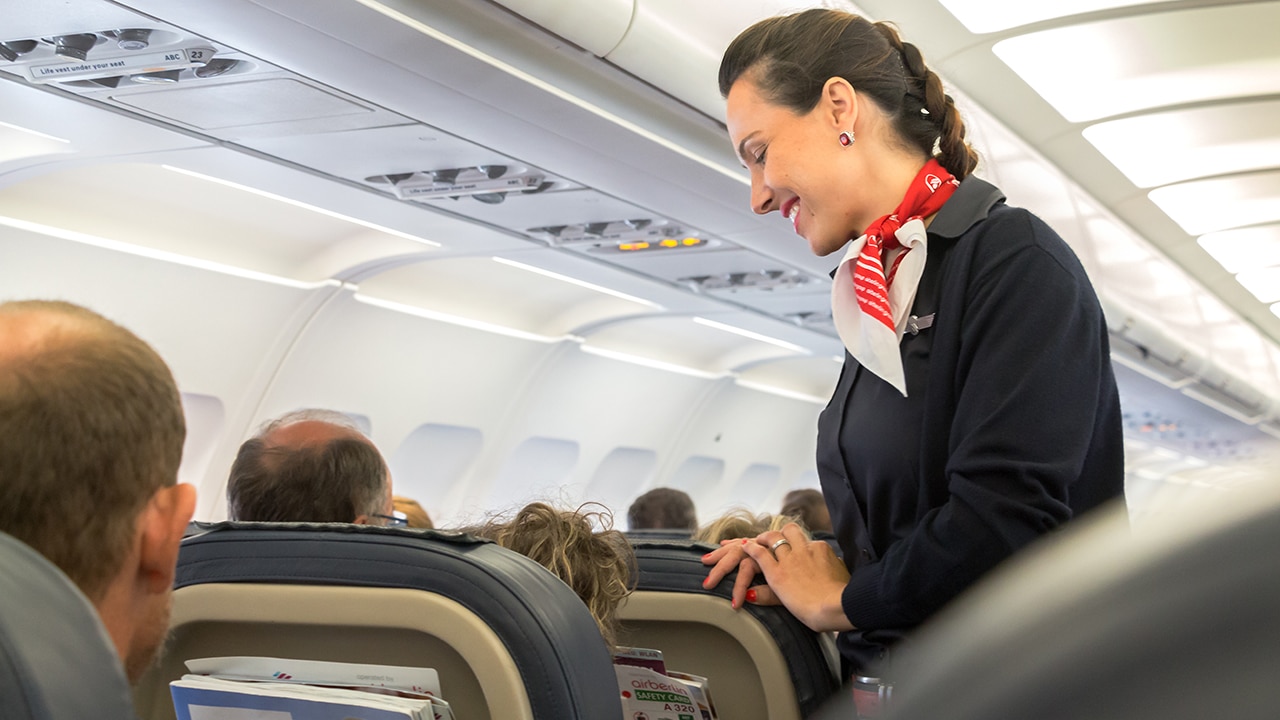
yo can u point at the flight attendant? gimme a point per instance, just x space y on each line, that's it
977 409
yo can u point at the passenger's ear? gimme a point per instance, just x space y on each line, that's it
162 525
840 101
362 520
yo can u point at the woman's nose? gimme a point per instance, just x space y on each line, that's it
761 196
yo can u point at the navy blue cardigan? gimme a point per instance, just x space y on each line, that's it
1011 426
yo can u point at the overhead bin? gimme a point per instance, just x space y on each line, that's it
638 36
596 25
1144 345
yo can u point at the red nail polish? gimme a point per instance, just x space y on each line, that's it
751 596
744 541
704 557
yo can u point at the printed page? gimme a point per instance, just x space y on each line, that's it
203 698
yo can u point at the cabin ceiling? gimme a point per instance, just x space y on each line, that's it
1164 113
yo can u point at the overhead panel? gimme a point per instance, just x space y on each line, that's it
594 25
1110 67
489 294
154 208
987 16
683 343
1215 140
1204 206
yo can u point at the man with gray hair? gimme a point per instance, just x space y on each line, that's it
310 466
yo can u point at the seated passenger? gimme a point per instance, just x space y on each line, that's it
310 466
91 433
809 508
662 509
740 523
598 564
415 516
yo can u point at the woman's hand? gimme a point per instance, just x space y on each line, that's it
730 556
804 575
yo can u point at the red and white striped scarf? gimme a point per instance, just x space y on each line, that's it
869 311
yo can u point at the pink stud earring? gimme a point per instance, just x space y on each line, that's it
846 138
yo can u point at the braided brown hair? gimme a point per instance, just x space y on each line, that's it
791 57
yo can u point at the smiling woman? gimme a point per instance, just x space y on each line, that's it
977 409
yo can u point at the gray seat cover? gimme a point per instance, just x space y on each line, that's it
56 660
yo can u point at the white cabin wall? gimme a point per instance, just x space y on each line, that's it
219 334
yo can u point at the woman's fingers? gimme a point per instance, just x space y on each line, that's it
762 595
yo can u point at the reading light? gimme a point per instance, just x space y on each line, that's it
490 181
74 47
144 64
163 77
106 82
133 38
12 49
215 67
760 280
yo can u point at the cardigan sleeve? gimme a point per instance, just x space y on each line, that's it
1029 372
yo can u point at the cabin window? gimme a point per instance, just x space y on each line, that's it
617 478
537 469
431 463
205 418
756 484
808 479
698 475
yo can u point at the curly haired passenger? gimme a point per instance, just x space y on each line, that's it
598 564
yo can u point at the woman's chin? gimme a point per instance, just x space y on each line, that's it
823 247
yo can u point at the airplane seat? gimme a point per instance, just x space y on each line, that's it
760 662
659 534
56 659
1177 618
507 637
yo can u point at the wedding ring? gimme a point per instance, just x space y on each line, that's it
774 547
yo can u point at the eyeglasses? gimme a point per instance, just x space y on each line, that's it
395 519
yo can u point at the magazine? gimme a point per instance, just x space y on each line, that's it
261 688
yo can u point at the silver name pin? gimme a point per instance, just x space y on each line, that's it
915 323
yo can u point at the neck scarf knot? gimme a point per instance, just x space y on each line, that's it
869 309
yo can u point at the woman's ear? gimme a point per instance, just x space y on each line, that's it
840 104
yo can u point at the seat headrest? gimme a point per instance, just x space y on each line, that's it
551 636
674 566
1175 618
56 659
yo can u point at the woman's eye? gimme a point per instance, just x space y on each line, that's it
760 158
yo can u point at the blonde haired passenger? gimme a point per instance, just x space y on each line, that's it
415 515
740 523
598 564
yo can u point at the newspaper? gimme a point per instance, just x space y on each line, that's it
261 688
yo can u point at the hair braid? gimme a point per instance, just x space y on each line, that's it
924 87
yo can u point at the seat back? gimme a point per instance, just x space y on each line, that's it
760 662
1177 619
56 659
508 638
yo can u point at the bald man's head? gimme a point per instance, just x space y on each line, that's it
91 427
309 466
91 433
